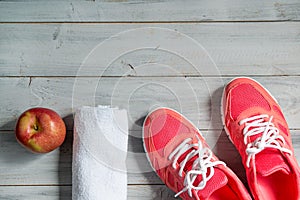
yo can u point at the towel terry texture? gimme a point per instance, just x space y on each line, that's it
99 154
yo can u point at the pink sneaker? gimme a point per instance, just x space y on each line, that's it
256 126
182 159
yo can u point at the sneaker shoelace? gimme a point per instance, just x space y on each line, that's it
270 137
200 165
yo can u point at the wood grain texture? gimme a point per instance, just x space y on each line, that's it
132 10
235 48
48 58
55 168
134 192
36 192
135 94
196 97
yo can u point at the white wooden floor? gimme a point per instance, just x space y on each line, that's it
146 54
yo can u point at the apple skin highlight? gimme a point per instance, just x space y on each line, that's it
40 130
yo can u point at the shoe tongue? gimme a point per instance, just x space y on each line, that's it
270 161
217 181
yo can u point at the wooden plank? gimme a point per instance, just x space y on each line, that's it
196 97
138 50
36 192
132 10
55 168
20 167
149 192
134 192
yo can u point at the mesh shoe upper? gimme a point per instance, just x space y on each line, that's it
179 154
255 123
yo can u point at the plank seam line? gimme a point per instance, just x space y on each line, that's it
68 185
160 76
148 22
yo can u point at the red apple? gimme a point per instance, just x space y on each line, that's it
40 130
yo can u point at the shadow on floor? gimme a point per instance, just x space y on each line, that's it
142 169
65 165
224 149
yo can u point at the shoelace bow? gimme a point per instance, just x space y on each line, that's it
270 136
200 165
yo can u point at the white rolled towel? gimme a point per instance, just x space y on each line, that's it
99 154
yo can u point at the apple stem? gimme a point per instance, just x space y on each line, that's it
35 127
